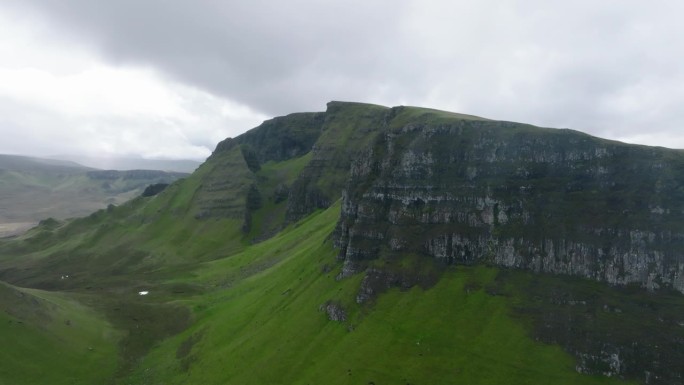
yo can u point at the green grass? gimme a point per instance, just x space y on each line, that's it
262 324
53 338
406 114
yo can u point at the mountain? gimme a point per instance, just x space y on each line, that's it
32 189
28 163
367 244
123 164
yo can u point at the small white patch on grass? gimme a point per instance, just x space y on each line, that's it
143 292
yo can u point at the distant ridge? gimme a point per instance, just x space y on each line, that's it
32 189
123 164
25 163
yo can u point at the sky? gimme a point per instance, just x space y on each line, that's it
169 78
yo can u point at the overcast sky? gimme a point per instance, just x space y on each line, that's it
171 78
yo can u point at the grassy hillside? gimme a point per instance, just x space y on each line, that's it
262 323
257 317
53 338
238 293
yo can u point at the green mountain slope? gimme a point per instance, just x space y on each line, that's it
271 324
243 282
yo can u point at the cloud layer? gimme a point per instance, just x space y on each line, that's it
611 68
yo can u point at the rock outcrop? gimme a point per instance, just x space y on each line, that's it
154 189
284 137
334 311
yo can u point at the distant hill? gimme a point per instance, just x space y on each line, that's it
32 189
176 165
28 163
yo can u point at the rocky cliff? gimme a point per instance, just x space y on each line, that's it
225 181
465 190
452 189
332 139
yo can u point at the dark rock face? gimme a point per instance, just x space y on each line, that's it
281 192
347 128
252 202
598 357
615 331
154 189
284 137
226 183
225 145
555 201
377 281
251 158
334 310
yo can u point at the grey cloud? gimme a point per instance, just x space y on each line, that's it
18 122
572 64
265 54
29 129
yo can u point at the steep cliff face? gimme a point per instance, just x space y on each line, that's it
348 128
225 182
330 139
465 190
284 137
